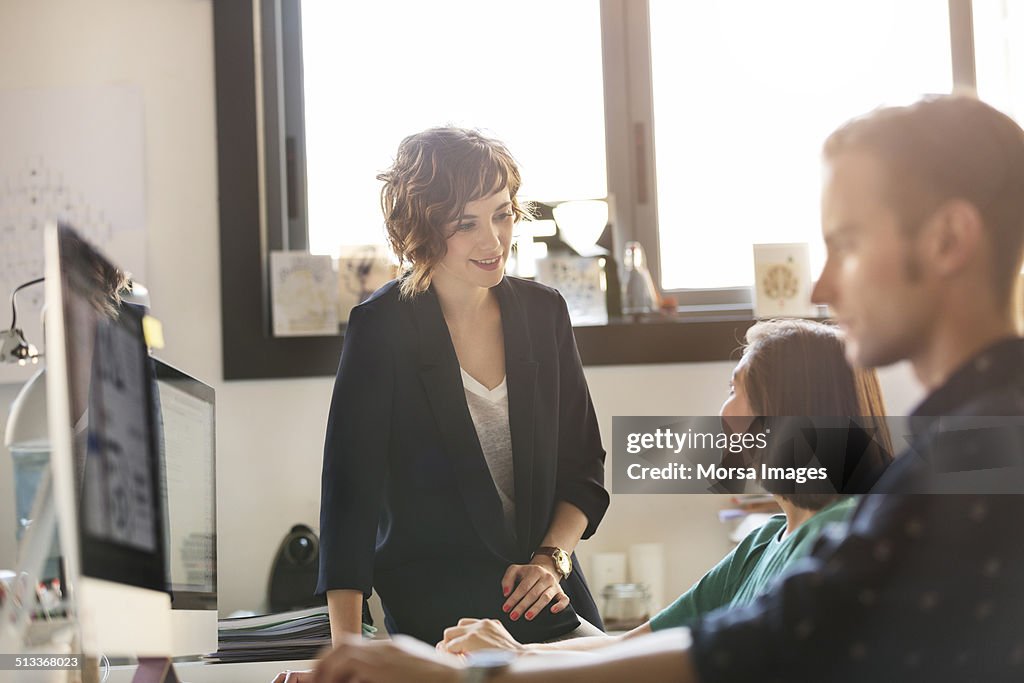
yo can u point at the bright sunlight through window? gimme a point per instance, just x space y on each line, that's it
528 73
745 92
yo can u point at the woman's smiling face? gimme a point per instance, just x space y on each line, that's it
479 243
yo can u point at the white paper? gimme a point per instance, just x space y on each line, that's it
304 294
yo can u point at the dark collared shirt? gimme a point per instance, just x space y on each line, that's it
919 587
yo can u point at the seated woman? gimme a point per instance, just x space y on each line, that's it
788 368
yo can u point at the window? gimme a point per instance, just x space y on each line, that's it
745 91
999 54
527 73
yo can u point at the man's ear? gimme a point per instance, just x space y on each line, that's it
953 237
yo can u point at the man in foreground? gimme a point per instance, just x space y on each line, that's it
923 217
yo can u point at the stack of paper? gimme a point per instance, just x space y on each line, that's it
300 634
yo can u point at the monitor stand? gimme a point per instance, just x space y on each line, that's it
155 670
149 670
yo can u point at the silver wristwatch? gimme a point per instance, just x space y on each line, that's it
484 665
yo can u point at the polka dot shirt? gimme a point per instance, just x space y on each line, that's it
920 586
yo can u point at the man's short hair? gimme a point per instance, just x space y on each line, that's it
943 148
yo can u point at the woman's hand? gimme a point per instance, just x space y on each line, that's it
477 634
529 588
400 660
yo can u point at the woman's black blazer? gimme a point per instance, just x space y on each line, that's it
408 504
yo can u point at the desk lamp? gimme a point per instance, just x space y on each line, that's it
14 348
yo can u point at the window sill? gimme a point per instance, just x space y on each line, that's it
622 342
697 337
693 334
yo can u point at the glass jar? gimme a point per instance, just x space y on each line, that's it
626 606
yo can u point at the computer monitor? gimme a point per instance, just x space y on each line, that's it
186 417
104 459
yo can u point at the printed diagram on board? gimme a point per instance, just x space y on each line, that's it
29 198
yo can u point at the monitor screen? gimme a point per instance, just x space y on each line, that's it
114 446
186 419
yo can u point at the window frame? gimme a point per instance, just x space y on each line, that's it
253 191
261 177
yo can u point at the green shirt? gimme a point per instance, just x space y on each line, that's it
750 568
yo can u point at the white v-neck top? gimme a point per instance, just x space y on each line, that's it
489 410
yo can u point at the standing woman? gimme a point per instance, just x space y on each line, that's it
463 461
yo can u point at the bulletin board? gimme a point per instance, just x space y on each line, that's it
72 154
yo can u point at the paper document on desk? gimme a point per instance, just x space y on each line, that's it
267 620
299 634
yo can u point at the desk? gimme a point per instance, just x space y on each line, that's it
201 672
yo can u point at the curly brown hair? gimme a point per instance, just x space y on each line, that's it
434 175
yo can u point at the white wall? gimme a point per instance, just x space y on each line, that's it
270 433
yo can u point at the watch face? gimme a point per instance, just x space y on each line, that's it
563 562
